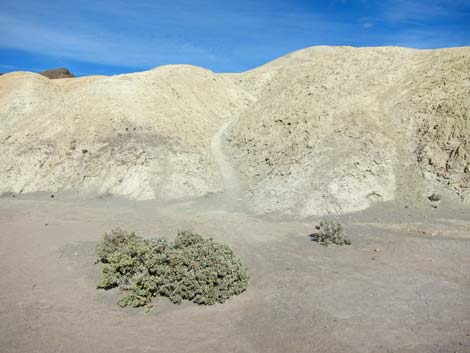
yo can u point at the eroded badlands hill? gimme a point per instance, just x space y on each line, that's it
142 135
322 130
336 129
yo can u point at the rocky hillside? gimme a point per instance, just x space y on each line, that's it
320 131
142 136
336 129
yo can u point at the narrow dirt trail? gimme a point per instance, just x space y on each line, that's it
228 173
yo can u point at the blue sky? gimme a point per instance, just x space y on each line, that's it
117 36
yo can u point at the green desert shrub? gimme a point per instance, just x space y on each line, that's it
189 268
330 232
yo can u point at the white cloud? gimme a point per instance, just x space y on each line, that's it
95 44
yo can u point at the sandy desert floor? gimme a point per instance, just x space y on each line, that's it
402 286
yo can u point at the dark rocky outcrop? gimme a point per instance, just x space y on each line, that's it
57 73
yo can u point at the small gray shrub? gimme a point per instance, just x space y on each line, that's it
330 232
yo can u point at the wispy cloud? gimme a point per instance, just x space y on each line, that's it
424 11
148 33
6 66
95 43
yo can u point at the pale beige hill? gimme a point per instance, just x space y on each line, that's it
142 136
324 130
337 129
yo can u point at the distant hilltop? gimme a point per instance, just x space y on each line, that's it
54 73
57 73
